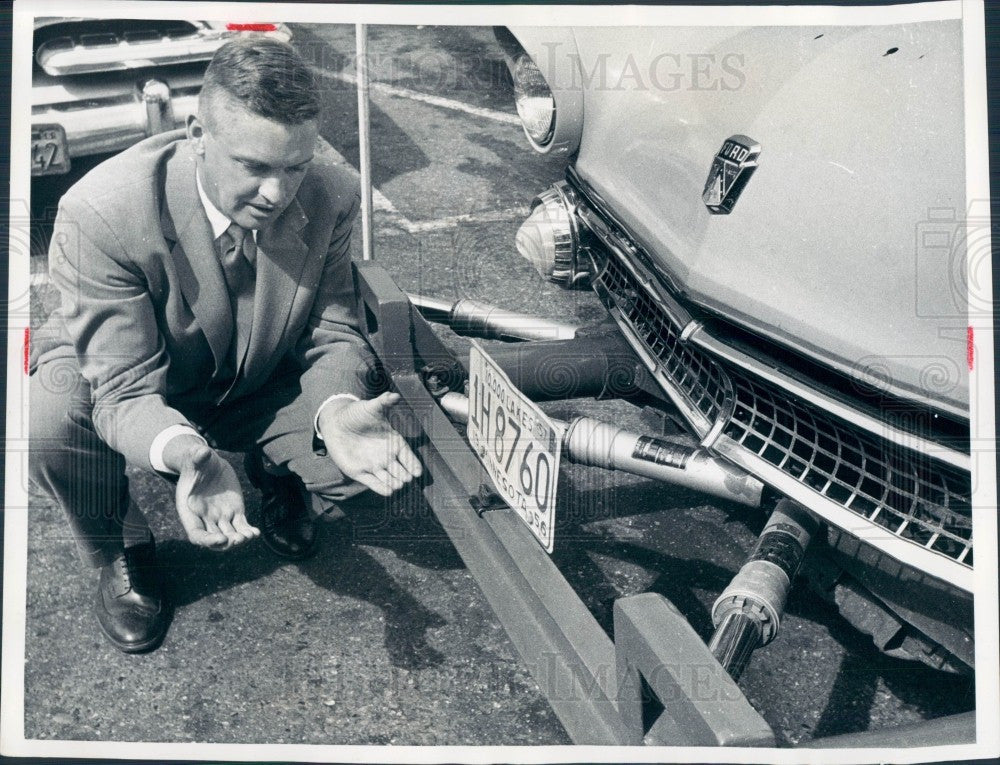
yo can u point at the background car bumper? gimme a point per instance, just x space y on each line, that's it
115 121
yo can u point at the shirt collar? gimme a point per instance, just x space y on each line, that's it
216 219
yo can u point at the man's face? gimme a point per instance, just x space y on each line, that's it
250 166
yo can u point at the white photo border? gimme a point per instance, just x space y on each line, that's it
12 741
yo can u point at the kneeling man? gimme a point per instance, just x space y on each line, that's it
208 302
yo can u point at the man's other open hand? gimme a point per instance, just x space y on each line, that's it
210 500
365 447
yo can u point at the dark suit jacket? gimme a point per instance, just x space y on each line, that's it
145 308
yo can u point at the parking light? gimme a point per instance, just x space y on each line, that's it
548 238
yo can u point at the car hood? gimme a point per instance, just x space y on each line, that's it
862 155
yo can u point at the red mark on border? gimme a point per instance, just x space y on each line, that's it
27 348
970 350
252 27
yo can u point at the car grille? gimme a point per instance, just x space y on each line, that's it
913 496
88 34
79 47
698 377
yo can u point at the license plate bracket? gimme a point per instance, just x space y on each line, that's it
517 443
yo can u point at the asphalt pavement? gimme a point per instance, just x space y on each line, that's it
385 638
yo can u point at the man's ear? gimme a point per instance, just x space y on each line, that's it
196 134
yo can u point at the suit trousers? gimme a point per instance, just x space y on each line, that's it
70 462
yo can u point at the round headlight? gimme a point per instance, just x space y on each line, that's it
536 106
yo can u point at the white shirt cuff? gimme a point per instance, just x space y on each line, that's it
318 411
160 443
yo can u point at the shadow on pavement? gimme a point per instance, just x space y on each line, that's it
341 566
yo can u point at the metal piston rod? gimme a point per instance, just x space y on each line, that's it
748 612
478 319
591 442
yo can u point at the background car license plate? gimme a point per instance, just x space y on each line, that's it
49 155
517 443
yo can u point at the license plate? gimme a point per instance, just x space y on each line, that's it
517 443
49 155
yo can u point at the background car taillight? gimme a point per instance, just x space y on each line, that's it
225 29
536 106
237 27
548 238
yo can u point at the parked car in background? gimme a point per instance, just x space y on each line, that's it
101 85
751 205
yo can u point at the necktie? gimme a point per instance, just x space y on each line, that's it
238 254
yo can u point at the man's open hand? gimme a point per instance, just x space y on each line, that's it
364 446
210 500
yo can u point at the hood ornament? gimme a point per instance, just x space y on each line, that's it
731 169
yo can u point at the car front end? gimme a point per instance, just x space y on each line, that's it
746 204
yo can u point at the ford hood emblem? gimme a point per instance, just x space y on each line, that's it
731 169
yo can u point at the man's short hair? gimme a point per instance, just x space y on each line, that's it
267 76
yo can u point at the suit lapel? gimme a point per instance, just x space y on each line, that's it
184 222
281 258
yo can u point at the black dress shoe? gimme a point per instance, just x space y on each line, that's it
286 525
130 609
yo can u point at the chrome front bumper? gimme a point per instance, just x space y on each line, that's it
114 119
